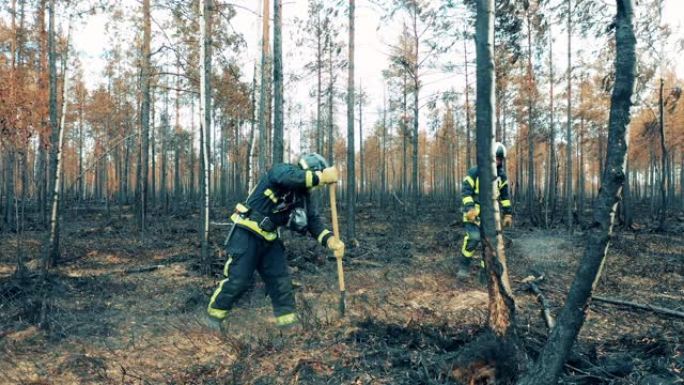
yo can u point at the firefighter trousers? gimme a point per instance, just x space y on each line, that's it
246 252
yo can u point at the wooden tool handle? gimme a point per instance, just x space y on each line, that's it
336 231
333 209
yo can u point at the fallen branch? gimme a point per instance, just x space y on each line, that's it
652 308
142 269
532 286
397 198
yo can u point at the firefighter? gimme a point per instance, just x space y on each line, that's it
471 208
282 197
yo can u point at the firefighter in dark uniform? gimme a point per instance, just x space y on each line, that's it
471 208
282 197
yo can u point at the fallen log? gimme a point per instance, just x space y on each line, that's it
652 308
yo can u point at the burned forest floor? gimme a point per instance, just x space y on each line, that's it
123 308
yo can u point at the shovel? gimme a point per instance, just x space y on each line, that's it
336 232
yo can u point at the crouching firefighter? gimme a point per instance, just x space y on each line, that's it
471 208
282 197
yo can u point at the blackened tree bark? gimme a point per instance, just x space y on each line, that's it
553 356
501 302
278 82
663 158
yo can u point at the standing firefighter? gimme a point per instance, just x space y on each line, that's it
281 198
471 208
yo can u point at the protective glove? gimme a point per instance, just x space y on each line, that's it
327 176
507 220
337 246
472 214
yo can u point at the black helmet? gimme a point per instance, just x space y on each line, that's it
313 161
499 150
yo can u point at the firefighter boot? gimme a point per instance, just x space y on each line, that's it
212 323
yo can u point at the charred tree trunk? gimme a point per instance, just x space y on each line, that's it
501 301
663 159
555 352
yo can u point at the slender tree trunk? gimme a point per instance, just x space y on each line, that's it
531 133
331 93
501 301
663 159
362 164
81 191
383 172
681 180
278 141
126 169
404 134
163 183
627 198
351 176
52 255
205 126
467 104
416 90
319 84
43 81
555 352
145 115
178 147
264 96
250 161
9 185
55 145
551 185
153 151
568 129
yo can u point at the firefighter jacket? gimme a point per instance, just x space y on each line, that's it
283 197
470 191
